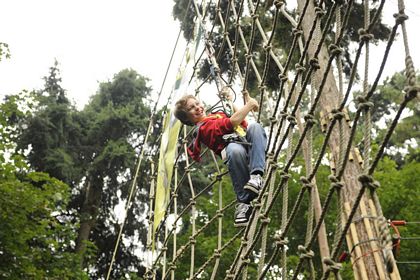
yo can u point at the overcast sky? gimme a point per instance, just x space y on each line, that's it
94 39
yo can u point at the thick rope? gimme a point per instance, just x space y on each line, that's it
257 229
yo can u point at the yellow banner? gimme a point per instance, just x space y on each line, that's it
166 165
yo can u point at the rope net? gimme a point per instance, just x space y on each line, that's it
291 232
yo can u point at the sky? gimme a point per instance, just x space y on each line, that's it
94 39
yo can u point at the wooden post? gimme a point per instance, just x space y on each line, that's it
330 99
357 250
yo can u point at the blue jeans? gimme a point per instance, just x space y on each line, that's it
242 160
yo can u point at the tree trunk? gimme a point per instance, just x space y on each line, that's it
328 101
88 216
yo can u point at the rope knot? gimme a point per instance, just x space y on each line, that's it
280 241
292 120
244 242
192 240
365 179
219 213
332 265
335 182
363 103
364 35
297 32
148 274
172 266
310 119
184 141
305 253
219 177
229 275
264 219
262 87
400 17
285 175
374 185
282 77
333 179
248 55
411 92
306 183
335 50
254 16
278 3
217 253
283 114
267 48
225 34
273 164
273 120
337 114
192 201
314 63
299 68
256 204
319 12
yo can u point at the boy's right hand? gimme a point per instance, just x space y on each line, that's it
253 103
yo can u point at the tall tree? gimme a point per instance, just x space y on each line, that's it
36 237
94 151
116 122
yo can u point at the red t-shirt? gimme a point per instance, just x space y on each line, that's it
210 133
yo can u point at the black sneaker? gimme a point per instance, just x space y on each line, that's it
242 214
254 184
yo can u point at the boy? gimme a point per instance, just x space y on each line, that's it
245 160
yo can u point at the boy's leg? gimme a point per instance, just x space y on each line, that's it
237 162
255 135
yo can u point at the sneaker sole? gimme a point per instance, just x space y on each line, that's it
240 224
252 189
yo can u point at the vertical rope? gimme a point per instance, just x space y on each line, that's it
368 122
150 273
220 220
175 197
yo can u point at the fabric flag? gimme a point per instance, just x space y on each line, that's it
170 135
166 164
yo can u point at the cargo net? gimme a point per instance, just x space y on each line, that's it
318 205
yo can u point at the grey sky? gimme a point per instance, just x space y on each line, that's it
93 40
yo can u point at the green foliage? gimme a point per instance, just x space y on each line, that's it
399 195
4 51
283 36
36 238
35 242
94 151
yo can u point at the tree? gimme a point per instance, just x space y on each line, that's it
116 121
283 36
94 151
35 240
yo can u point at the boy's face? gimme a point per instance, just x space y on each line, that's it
195 109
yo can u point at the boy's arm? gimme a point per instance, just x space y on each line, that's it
241 114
